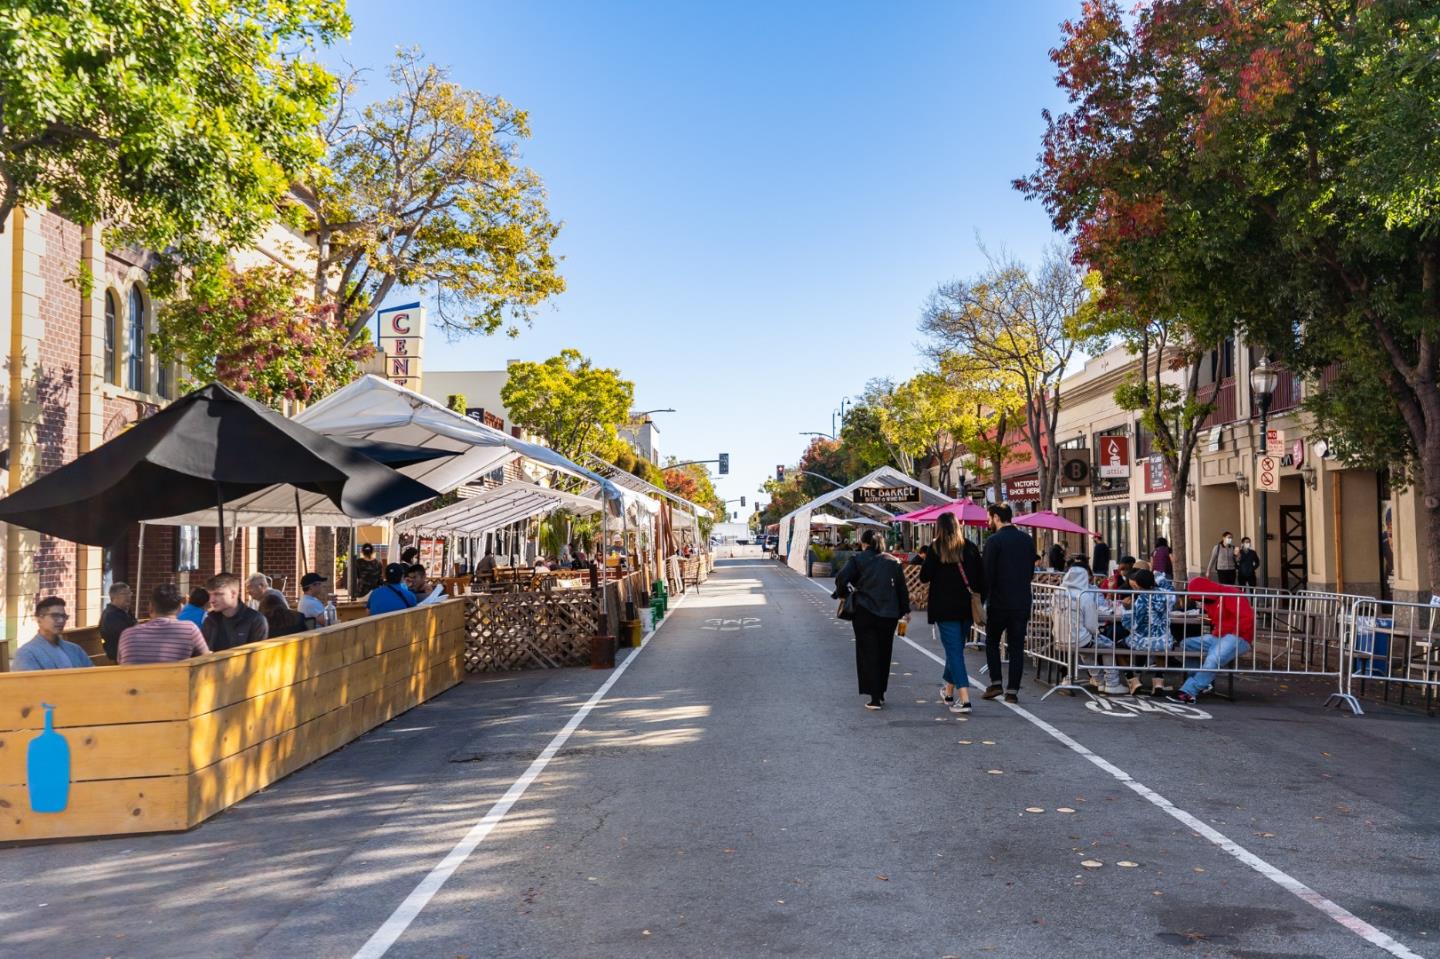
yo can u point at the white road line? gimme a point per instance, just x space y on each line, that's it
404 914
1282 879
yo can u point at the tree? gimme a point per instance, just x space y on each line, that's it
1021 325
424 188
575 406
930 420
693 482
1170 407
259 333
177 125
1279 159
993 402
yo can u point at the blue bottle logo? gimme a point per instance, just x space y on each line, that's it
47 767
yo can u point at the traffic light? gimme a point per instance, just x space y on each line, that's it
779 474
724 464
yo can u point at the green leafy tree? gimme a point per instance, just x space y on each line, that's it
573 405
1278 163
259 333
178 125
424 188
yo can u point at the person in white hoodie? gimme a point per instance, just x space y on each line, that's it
1077 620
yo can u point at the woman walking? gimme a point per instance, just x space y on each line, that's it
1221 565
875 583
955 573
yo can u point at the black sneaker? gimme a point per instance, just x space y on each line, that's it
874 703
1012 698
992 692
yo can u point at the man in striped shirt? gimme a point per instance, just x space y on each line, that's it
165 638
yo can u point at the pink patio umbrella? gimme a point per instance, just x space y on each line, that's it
968 512
1051 521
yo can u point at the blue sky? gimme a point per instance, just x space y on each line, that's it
756 197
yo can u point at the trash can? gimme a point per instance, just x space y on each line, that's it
602 652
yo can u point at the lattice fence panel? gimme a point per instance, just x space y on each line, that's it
541 630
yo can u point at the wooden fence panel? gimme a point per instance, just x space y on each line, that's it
543 630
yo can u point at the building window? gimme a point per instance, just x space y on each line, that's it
135 342
187 549
1154 523
112 321
1113 522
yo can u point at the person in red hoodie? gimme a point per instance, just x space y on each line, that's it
1232 631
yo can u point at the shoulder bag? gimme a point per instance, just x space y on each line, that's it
977 610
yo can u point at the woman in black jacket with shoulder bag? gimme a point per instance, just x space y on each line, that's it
955 573
875 584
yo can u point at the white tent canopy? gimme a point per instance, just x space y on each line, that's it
795 525
498 507
375 409
632 482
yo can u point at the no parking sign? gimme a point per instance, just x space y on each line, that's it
1267 473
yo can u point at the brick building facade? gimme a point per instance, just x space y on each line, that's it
79 371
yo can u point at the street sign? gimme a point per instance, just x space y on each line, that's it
724 464
887 495
1075 467
1026 490
1114 457
1267 473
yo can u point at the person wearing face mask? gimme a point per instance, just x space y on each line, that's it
1247 561
1221 565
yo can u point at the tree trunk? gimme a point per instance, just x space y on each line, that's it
1430 508
1177 528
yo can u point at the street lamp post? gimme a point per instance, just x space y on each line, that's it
1263 381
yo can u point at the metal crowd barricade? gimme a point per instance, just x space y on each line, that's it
1395 643
1293 635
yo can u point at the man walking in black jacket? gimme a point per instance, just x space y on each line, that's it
1009 564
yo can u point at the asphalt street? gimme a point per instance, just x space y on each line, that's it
727 796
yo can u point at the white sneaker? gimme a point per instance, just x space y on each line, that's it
1114 690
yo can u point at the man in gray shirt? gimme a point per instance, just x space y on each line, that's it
47 650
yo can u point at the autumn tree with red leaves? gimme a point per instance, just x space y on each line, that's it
1270 165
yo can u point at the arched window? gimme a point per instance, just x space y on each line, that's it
135 342
112 336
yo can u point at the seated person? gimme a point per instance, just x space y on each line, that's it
257 587
421 588
164 638
1150 621
1232 632
230 622
194 610
115 618
392 594
313 593
1077 621
281 619
48 650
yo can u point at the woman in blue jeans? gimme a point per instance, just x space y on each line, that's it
953 568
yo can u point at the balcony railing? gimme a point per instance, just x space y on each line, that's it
1223 396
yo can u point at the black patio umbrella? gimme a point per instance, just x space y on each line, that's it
203 450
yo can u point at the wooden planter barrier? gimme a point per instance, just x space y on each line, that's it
530 630
166 746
